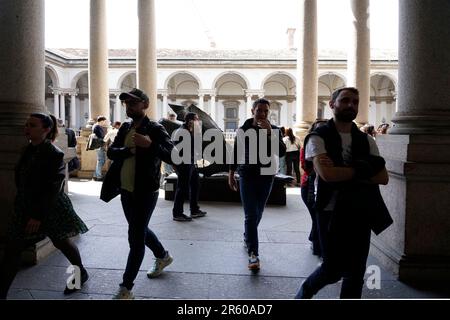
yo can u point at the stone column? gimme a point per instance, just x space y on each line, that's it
417 148
146 56
359 57
98 61
201 101
56 104
165 104
249 104
213 111
62 106
307 83
290 113
118 108
73 110
22 84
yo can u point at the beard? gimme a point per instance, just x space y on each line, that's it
346 116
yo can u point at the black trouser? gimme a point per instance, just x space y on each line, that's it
293 161
188 185
345 241
314 233
138 209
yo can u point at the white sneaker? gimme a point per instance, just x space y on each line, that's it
123 294
159 266
253 262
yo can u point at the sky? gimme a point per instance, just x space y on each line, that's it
231 24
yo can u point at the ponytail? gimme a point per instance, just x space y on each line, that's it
48 121
54 129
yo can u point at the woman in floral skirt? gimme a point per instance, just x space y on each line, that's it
41 207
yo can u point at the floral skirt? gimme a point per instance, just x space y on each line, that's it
60 222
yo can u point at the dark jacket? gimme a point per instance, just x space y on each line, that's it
45 178
148 160
353 195
71 138
98 130
248 168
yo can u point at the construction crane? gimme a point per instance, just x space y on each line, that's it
212 42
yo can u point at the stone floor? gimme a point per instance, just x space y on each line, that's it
210 261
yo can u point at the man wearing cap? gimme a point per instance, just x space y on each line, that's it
136 152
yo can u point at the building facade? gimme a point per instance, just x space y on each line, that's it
222 83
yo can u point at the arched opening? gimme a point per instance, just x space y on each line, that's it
280 89
383 95
231 108
328 83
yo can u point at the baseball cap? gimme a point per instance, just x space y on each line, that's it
134 94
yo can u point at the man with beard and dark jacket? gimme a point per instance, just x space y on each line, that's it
136 152
348 202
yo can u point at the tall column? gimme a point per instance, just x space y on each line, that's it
290 113
249 104
213 111
307 84
62 106
117 108
56 104
359 57
22 84
98 60
164 94
146 57
417 148
73 110
201 101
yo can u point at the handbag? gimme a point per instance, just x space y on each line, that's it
94 142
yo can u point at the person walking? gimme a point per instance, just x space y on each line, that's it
136 155
41 208
348 201
255 177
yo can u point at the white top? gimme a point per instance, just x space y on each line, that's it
111 135
290 147
316 146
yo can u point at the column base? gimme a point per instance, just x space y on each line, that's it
417 246
38 252
35 253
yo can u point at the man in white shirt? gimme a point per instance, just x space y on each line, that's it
349 171
111 135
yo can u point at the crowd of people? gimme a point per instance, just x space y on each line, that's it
341 167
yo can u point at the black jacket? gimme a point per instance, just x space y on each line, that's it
148 160
45 178
354 196
247 168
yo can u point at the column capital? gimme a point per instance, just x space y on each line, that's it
250 93
163 92
207 92
69 91
115 92
56 90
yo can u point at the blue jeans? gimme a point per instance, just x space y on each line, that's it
101 159
138 210
255 191
283 168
